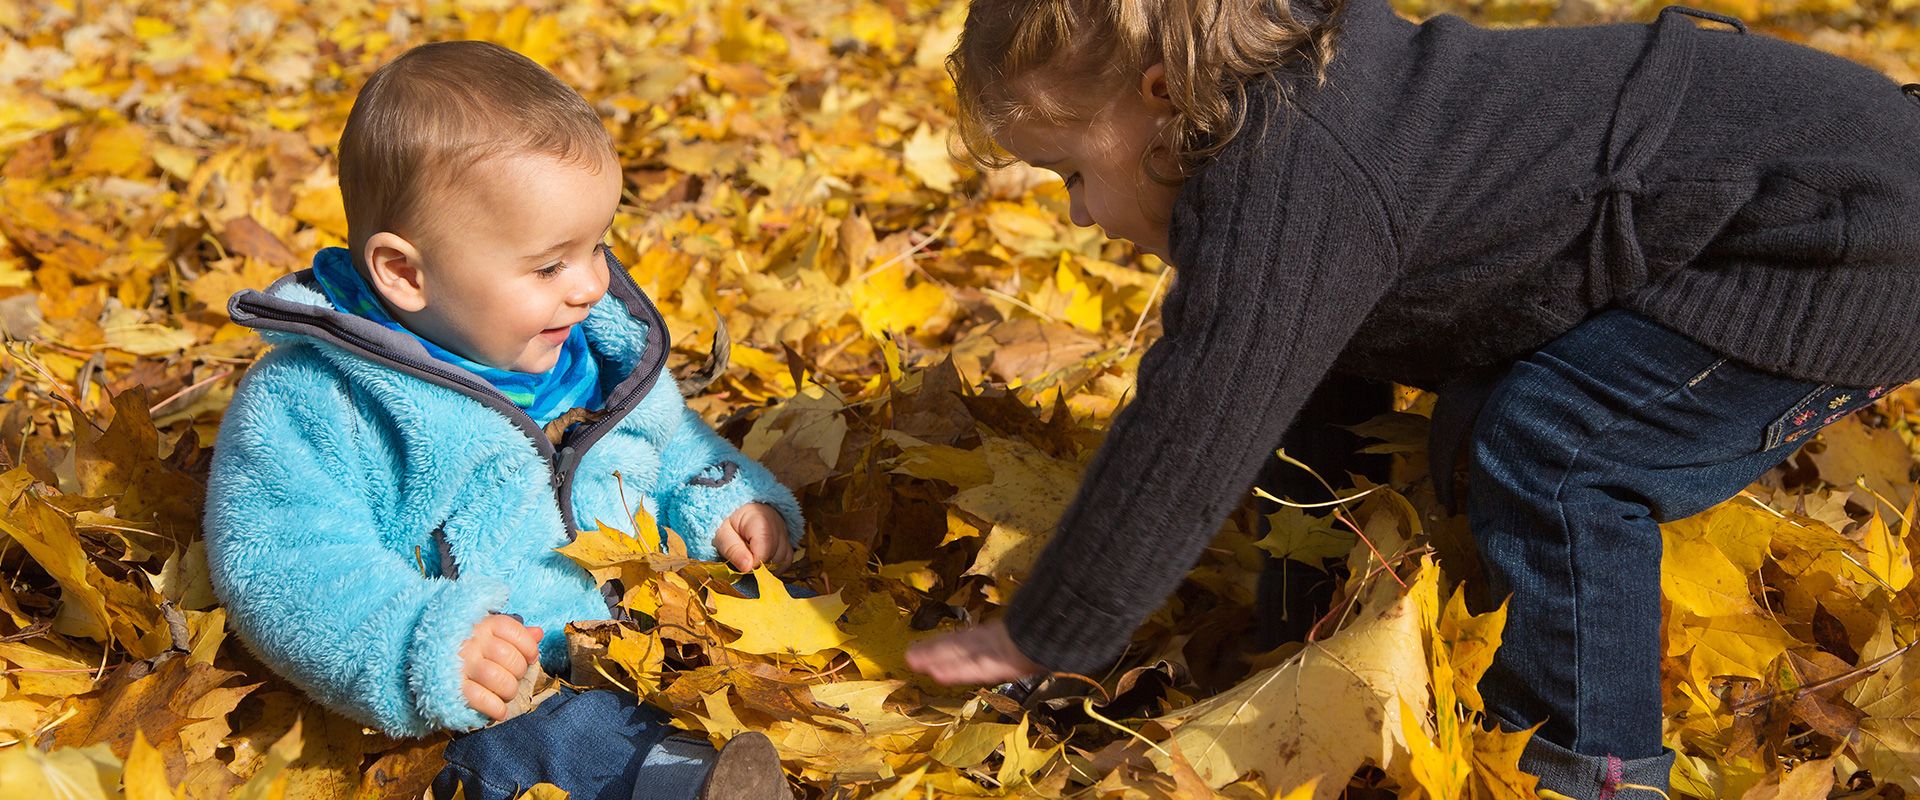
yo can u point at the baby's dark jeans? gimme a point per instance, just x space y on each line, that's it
597 745
1577 454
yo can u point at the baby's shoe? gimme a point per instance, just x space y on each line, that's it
747 768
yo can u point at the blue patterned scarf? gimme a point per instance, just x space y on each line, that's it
574 381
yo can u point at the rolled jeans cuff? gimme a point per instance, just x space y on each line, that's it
1596 777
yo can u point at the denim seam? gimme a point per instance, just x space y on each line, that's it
1695 380
488 785
1777 430
1559 492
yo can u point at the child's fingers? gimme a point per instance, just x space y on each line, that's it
528 642
933 656
494 678
484 701
508 629
735 551
509 654
762 545
970 656
498 626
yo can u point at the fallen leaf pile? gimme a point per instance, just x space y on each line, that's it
928 355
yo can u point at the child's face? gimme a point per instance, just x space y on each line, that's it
1104 161
511 260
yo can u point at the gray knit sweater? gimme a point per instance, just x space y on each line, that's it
1454 197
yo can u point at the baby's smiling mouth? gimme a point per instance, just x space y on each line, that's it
556 336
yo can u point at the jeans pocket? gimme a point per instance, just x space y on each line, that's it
1821 407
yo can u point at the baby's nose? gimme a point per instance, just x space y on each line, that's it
588 287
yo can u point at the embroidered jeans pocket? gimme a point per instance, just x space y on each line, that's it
1820 408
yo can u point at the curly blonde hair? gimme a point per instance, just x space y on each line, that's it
1015 59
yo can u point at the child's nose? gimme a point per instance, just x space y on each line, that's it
588 286
1077 210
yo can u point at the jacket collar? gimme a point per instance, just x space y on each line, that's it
624 330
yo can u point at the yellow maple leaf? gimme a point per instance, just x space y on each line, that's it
1697 577
1853 453
878 636
145 777
115 148
81 773
902 789
1438 765
885 302
926 156
1887 557
1292 533
776 623
1304 791
1322 713
1496 765
1742 644
1019 758
1029 492
969 743
642 656
1889 741
1470 642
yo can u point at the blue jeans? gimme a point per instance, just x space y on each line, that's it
1577 454
597 745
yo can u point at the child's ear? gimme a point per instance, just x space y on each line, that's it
1153 88
393 267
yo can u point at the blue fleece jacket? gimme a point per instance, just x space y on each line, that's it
369 504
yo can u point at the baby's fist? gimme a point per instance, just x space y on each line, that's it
753 535
493 659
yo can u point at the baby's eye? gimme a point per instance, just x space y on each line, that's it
1073 180
551 270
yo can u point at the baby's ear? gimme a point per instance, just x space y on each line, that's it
393 267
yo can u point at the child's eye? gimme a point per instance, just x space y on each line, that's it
1073 180
550 270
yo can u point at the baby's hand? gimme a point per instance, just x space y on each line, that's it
753 535
494 658
976 655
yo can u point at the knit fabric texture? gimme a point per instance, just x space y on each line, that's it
1453 197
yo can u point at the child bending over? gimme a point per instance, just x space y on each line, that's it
1639 263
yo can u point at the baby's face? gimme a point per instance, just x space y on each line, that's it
514 258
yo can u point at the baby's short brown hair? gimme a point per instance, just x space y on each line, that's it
421 122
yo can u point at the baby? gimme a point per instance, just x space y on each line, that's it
448 400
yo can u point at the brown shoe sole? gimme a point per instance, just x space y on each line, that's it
748 769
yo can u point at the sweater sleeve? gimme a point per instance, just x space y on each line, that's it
1282 247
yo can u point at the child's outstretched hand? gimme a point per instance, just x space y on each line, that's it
494 658
982 655
753 535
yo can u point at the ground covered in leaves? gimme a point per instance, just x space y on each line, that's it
928 355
